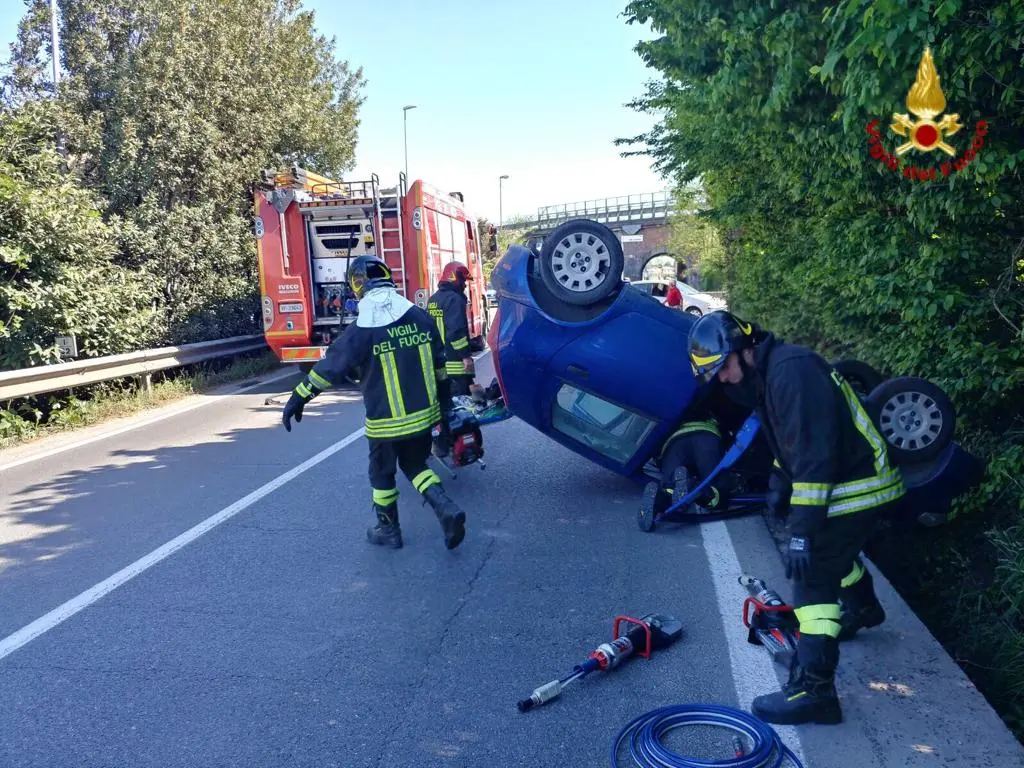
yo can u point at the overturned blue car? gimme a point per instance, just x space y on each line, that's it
602 368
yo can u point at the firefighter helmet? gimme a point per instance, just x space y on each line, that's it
455 272
713 338
367 273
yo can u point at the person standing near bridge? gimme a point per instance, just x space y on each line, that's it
840 480
405 392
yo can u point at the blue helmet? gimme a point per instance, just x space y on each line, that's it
367 273
713 338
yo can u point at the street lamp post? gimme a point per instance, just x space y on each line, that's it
405 132
501 219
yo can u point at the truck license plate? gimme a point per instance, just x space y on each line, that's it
289 308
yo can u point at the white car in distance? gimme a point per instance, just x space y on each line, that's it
695 302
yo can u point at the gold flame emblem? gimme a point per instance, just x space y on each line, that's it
926 100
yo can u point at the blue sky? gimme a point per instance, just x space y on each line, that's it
533 89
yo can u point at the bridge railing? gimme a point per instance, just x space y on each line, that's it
610 210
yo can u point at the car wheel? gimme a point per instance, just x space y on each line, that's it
862 378
581 262
695 311
915 418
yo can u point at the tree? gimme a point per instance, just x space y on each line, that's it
169 110
57 274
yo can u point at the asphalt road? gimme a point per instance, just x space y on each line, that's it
279 637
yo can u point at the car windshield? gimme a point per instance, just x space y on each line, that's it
605 427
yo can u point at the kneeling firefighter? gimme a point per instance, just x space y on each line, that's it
689 455
839 480
404 386
448 308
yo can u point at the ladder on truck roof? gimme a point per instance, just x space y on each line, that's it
382 203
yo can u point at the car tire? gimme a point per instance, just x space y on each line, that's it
862 378
695 311
915 418
581 262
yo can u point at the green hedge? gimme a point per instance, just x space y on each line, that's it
771 106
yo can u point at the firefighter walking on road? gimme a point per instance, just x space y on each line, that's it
405 390
839 479
448 308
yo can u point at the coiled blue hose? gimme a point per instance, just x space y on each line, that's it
763 747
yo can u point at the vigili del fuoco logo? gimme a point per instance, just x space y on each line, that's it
928 132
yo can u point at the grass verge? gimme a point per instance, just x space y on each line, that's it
28 419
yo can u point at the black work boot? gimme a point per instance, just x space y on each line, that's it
860 607
810 694
680 483
452 519
386 533
653 502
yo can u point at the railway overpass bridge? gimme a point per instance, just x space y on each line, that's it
641 222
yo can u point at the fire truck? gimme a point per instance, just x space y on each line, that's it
309 228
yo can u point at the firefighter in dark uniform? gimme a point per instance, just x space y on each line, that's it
839 482
448 308
689 455
405 389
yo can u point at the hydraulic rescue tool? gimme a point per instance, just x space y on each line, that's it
468 414
651 633
772 623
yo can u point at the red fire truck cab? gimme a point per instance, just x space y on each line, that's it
309 228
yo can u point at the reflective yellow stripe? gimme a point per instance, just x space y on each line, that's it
861 487
455 368
775 463
407 425
820 619
304 390
428 375
811 494
887 484
855 575
319 380
863 423
392 384
460 343
384 498
699 360
867 501
689 428
425 479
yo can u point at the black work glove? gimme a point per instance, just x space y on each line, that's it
301 395
798 558
293 408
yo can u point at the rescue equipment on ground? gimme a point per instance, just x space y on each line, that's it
651 633
755 744
771 621
468 414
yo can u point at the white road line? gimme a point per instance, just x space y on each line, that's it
752 670
62 613
169 413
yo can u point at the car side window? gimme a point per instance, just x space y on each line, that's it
660 289
607 428
643 287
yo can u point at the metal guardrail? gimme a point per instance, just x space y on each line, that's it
40 379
